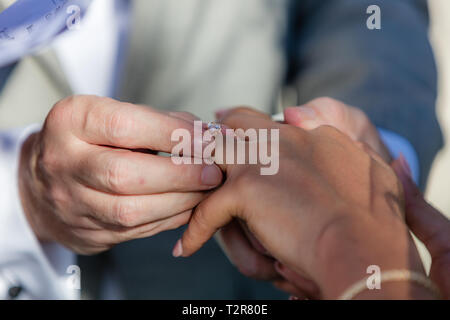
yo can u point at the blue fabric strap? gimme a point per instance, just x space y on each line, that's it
29 24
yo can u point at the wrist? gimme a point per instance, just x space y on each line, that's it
29 193
398 290
345 252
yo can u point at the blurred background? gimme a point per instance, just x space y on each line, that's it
439 183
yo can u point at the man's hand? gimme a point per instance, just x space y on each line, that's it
88 180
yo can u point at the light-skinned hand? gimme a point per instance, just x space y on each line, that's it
86 183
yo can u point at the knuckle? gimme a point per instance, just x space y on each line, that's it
198 220
116 175
47 161
59 113
124 213
197 233
118 126
58 195
61 203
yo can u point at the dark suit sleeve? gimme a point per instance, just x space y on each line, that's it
389 73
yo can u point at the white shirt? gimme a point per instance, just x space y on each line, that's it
45 272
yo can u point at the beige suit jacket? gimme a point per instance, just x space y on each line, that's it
191 55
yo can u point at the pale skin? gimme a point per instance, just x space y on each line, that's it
88 180
316 216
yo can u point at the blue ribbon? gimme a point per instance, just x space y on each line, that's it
30 24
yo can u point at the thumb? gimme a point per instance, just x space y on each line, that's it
212 214
427 223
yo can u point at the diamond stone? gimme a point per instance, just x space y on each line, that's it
214 128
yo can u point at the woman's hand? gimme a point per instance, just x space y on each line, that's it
428 224
317 216
425 221
355 124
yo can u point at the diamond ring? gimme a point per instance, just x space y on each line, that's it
214 128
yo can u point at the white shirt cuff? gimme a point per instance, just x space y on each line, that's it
39 270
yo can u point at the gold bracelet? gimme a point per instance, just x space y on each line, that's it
391 276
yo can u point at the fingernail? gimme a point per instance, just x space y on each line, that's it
279 266
178 249
405 166
211 176
294 298
307 111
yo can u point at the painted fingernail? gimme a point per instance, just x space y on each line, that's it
178 249
405 166
211 176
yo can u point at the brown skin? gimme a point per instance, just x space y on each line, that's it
427 223
349 120
423 220
314 218
83 185
240 245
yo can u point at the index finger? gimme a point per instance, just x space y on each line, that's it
105 121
